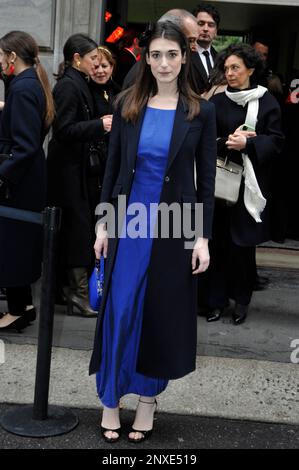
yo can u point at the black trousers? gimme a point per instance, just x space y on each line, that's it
232 269
17 299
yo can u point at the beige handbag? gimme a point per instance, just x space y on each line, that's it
228 180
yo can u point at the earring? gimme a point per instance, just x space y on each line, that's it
11 68
78 63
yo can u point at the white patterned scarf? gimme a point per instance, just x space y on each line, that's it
254 200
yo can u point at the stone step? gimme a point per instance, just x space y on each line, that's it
269 257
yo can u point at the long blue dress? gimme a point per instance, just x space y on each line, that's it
122 323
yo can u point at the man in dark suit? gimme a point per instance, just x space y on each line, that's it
128 56
208 20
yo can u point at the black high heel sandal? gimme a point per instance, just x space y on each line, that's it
110 440
145 434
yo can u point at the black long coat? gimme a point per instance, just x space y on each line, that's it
168 340
22 132
262 151
74 130
103 97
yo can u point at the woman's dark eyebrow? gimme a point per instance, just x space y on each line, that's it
170 50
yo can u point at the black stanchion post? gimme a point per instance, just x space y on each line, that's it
42 420
47 305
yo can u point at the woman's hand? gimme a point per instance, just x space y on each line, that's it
245 133
201 254
2 105
107 122
101 244
236 141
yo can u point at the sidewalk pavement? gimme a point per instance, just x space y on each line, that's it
171 431
244 373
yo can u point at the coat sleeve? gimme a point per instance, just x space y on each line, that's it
26 124
206 169
269 140
66 126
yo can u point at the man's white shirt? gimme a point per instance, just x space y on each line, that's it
200 51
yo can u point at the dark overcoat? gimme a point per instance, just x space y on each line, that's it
22 133
74 130
262 151
167 346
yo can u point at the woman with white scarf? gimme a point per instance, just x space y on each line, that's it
239 228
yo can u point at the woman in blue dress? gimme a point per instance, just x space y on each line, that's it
146 330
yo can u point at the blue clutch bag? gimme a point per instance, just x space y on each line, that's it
96 284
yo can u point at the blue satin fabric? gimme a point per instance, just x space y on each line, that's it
124 308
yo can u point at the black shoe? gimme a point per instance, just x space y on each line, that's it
30 315
110 440
82 306
240 313
261 283
19 324
215 314
144 434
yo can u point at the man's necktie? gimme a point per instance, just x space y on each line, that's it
209 65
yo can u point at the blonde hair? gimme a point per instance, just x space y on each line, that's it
107 54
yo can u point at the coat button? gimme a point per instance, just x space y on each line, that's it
167 179
133 171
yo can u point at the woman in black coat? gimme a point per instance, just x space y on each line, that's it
104 90
146 330
238 229
27 115
73 166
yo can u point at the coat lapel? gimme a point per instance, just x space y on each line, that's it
133 133
82 83
180 129
199 65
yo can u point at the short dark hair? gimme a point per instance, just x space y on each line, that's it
261 40
208 8
128 37
251 58
77 43
80 43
